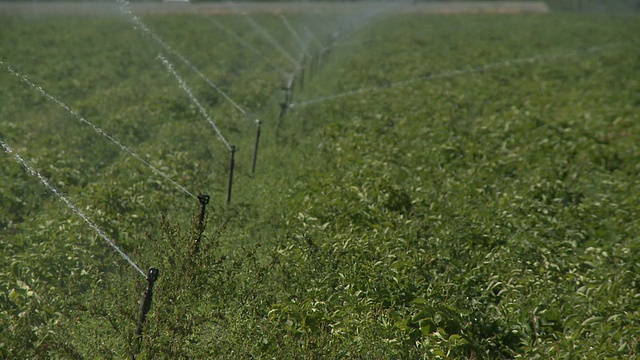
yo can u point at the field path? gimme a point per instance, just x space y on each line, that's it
107 8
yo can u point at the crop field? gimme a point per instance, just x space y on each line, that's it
425 185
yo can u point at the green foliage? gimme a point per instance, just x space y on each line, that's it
461 214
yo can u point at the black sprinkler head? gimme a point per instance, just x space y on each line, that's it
204 199
152 276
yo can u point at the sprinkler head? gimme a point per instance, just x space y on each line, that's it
152 276
258 122
204 199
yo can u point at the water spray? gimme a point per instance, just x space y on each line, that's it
151 275
138 24
70 205
262 31
189 93
98 130
300 70
453 73
244 43
313 37
289 89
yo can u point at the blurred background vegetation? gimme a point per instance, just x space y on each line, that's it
582 5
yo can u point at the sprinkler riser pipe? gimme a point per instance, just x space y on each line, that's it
292 85
255 148
302 79
315 63
147 298
288 97
232 165
204 200
283 110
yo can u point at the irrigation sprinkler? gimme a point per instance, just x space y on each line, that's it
145 304
204 200
302 78
324 56
321 58
314 64
232 165
290 87
283 110
255 148
288 97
